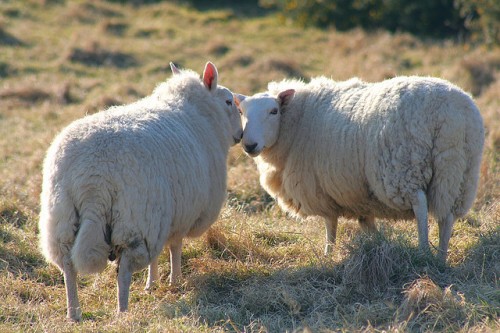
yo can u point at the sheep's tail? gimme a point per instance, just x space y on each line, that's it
457 160
57 225
474 142
91 250
64 233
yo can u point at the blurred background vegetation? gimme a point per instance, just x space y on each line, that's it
475 20
466 20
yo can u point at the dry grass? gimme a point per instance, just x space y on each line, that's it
256 270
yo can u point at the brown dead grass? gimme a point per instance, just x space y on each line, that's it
427 306
94 55
257 270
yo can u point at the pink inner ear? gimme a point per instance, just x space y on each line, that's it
285 96
209 75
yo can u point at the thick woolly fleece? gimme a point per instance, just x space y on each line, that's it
358 149
126 181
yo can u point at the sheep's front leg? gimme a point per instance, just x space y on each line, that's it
331 233
124 280
420 210
74 312
367 223
445 229
153 274
175 261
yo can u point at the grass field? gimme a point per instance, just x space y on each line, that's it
256 270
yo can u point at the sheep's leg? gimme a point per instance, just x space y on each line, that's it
175 261
331 233
124 280
74 312
445 229
153 274
421 214
367 223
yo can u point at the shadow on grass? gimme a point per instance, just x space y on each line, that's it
19 263
7 39
382 282
18 256
96 56
247 8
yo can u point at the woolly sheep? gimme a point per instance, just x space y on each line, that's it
396 149
124 182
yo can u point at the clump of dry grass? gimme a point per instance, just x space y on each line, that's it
285 66
95 55
27 94
7 39
239 60
489 104
217 48
426 306
89 12
114 27
375 263
102 103
480 72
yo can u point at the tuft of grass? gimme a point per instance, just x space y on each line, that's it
7 39
426 306
94 55
26 94
480 72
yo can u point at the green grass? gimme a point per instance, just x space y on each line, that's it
256 270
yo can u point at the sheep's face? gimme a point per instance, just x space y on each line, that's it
261 118
225 97
261 115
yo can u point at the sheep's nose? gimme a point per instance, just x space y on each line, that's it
238 137
250 147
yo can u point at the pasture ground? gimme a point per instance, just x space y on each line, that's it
256 270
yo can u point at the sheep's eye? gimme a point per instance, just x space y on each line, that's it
274 111
229 102
239 110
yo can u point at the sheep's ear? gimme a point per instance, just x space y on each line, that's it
285 96
210 76
175 70
238 99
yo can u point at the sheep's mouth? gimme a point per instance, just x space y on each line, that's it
253 153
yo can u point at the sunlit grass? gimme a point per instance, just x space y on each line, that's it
256 270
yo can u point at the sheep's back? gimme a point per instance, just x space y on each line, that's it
150 173
362 149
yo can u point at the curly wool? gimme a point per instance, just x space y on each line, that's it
138 175
365 149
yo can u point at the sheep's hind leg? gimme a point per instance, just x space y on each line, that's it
175 261
153 274
445 229
124 280
331 234
74 312
421 214
367 223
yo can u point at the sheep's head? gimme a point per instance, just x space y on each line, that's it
261 115
223 96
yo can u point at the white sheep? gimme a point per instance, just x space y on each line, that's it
396 149
125 182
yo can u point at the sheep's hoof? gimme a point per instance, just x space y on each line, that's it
74 317
150 286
